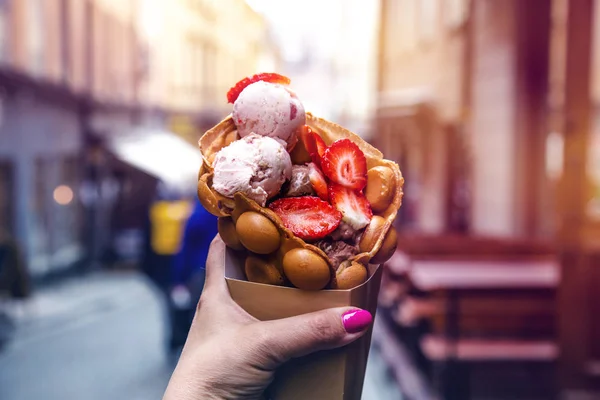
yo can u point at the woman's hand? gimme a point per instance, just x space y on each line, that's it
231 355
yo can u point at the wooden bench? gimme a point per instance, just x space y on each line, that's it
495 302
439 348
448 246
461 364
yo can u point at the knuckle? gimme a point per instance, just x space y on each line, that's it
325 329
207 300
264 350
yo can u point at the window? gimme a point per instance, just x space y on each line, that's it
408 24
35 36
6 197
209 71
4 31
428 19
593 166
39 235
455 12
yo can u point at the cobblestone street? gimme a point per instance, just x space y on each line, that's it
101 337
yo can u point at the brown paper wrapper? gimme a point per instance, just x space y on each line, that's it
332 375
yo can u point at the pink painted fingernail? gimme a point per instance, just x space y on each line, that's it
356 320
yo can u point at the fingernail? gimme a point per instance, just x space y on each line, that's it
356 320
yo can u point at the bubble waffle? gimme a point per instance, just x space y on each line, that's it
386 173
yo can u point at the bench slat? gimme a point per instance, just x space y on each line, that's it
439 348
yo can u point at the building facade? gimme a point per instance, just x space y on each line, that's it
421 106
193 51
74 73
491 109
463 89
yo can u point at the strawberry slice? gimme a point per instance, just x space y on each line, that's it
318 182
321 146
270 77
308 217
353 205
345 163
313 143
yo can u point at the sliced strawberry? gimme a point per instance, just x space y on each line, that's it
235 91
318 182
313 143
307 217
321 146
345 163
353 205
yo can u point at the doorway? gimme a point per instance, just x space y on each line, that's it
6 197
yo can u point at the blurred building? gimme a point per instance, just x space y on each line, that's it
193 52
330 56
462 89
75 74
355 66
491 110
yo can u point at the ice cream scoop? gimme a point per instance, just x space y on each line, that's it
254 165
268 109
299 184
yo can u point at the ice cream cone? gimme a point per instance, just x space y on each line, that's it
337 374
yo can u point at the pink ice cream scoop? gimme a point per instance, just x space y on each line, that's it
268 109
254 165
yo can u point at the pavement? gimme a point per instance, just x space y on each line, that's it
102 337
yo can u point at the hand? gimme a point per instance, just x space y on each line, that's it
231 355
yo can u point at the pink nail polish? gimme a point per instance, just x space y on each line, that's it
356 320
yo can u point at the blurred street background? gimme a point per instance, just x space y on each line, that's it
490 107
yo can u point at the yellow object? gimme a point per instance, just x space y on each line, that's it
168 220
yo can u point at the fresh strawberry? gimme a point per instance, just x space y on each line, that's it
318 182
353 205
345 163
321 146
235 91
307 217
313 143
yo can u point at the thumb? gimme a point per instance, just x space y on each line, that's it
292 337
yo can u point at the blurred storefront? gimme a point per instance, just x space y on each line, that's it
40 146
40 140
491 109
75 76
462 91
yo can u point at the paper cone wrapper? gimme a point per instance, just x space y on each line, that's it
334 374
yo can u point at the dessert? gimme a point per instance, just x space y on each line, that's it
267 109
261 270
350 275
254 165
300 182
228 233
257 233
380 189
305 269
307 217
306 202
375 230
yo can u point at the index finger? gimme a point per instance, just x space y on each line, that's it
215 266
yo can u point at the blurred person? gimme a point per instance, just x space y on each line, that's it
188 272
14 282
14 277
231 355
166 216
